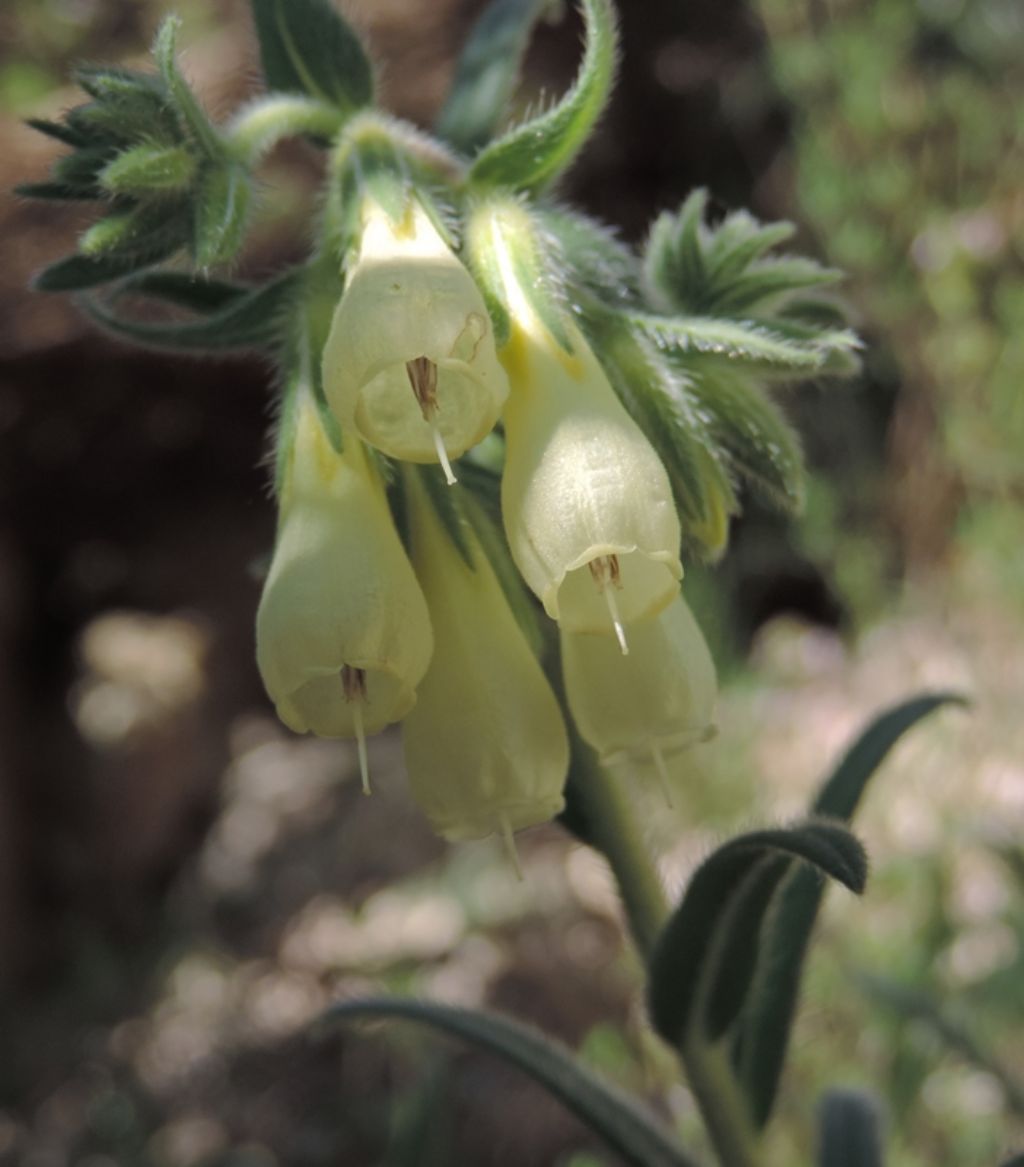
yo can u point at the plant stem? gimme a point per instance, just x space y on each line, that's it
259 126
616 834
722 1108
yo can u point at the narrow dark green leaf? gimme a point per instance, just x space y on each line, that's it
221 211
737 341
687 954
599 262
674 259
306 46
849 1130
764 282
739 240
143 234
486 73
78 272
129 106
613 1115
737 958
841 793
763 1040
249 322
55 191
185 290
533 155
190 112
149 169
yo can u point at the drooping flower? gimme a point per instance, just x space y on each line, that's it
587 505
650 705
485 746
410 362
342 633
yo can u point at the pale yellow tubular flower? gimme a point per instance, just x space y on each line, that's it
486 746
410 362
647 706
342 634
587 504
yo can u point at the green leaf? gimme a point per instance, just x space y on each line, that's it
78 272
752 429
132 106
143 234
251 321
486 73
674 258
533 155
55 191
307 47
190 113
687 958
841 793
70 135
149 170
613 1115
184 290
598 262
221 210
849 1130
764 283
735 341
762 1042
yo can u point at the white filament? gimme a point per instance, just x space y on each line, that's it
442 454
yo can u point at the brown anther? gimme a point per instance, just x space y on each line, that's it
605 570
353 683
423 378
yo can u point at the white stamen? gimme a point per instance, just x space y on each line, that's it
613 611
364 765
442 454
662 771
510 845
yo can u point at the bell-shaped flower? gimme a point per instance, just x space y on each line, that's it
587 504
486 747
410 362
651 704
342 634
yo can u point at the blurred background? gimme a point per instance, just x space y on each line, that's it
184 885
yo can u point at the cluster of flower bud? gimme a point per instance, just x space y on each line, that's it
358 629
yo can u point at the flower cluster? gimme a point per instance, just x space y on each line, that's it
356 632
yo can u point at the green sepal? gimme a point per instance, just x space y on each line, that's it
149 170
306 46
761 445
220 214
78 272
486 73
73 136
598 262
129 105
687 960
191 115
531 156
849 1130
81 170
612 1114
725 270
142 233
253 321
661 401
762 1039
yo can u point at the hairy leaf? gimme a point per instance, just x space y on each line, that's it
248 322
486 73
149 169
184 290
531 156
612 1114
79 272
306 46
762 1041
191 114
221 209
687 958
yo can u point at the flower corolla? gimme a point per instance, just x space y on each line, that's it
342 633
485 747
587 505
410 362
651 704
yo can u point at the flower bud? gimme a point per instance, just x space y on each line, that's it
587 504
658 700
486 747
410 362
342 633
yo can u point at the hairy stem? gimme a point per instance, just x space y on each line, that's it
259 126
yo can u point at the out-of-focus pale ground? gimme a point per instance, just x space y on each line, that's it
186 885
